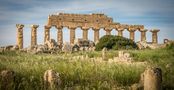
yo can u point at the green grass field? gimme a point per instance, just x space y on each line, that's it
86 74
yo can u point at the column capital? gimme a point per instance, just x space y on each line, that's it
132 28
154 30
47 27
19 26
34 26
96 29
59 27
143 30
108 28
85 28
139 27
120 29
72 28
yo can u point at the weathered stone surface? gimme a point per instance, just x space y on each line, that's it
34 34
7 79
136 86
37 49
9 47
52 44
143 34
85 45
20 35
59 36
123 57
67 47
154 36
52 80
41 48
75 48
47 33
91 20
153 79
144 45
72 35
96 35
104 55
85 33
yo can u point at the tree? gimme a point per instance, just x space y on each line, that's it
115 42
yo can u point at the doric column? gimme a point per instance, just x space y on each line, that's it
143 34
34 34
85 33
59 36
108 31
20 35
96 34
154 36
120 31
72 34
132 34
132 30
47 33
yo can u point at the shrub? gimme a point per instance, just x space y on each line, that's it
115 42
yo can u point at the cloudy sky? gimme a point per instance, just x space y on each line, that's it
151 13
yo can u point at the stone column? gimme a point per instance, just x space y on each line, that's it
143 34
72 35
20 35
96 35
34 34
59 36
120 31
132 34
47 33
108 31
154 36
85 33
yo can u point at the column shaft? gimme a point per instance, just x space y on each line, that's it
143 35
85 34
60 37
96 35
47 33
154 36
34 35
120 33
132 35
20 35
72 35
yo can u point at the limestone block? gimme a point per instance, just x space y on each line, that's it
51 79
104 51
153 79
120 54
67 47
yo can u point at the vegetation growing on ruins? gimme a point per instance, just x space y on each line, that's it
115 43
80 74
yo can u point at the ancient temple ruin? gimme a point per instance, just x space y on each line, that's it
85 22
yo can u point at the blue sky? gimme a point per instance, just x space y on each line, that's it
151 13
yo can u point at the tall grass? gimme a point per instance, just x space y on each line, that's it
82 74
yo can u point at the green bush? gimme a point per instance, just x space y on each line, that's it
115 42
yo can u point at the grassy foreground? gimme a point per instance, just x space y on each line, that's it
85 74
